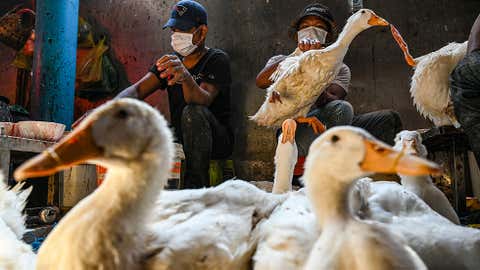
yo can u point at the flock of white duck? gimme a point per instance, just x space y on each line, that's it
335 222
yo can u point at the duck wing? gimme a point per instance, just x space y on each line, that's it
430 88
300 81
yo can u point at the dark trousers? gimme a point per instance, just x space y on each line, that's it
204 138
384 124
465 94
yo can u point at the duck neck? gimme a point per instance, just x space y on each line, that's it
345 38
285 160
129 192
329 197
415 181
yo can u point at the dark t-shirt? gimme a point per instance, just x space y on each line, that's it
214 68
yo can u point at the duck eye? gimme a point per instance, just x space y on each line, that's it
335 139
122 114
363 11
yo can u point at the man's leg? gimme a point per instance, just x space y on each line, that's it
384 124
203 138
334 113
474 38
465 93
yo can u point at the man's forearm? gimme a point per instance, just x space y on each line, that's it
129 92
263 78
193 93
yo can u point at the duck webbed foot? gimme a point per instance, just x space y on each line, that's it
289 127
318 127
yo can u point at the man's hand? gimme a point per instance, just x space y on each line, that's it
306 45
172 68
322 99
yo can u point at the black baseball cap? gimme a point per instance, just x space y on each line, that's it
187 14
317 10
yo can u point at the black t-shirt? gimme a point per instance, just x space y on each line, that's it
214 68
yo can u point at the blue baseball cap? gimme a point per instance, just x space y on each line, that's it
187 14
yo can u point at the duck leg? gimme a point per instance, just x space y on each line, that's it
289 127
313 121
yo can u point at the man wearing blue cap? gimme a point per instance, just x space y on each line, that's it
198 81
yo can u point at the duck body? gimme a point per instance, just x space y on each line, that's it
423 187
439 243
369 239
214 226
287 236
430 86
301 78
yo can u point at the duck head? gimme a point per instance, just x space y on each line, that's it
348 153
410 142
119 133
366 18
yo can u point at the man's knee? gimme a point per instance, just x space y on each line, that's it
194 115
392 119
340 107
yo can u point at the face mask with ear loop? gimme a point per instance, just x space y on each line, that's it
182 43
312 33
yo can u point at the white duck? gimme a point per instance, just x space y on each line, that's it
121 225
106 230
286 237
335 160
14 253
411 143
430 87
300 80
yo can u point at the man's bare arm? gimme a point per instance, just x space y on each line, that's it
141 89
263 78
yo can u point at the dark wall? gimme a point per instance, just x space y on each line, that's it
253 31
7 55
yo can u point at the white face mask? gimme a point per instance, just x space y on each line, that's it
312 33
182 43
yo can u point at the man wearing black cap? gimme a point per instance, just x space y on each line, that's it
198 81
315 28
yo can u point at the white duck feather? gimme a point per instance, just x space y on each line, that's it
14 253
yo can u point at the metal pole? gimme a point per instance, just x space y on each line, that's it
54 61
